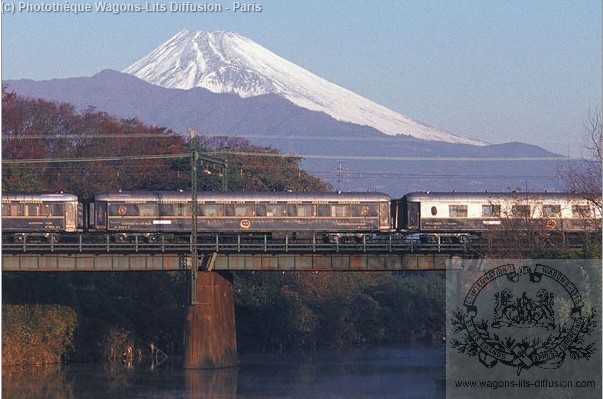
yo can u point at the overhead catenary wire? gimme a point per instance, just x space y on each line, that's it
94 159
170 135
295 156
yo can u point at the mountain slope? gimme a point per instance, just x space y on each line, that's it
369 159
227 62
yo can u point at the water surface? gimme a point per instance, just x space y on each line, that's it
363 374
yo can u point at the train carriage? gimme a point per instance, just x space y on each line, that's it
458 213
300 214
40 215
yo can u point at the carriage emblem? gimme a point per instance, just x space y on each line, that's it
516 328
245 224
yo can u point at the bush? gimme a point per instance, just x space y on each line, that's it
36 334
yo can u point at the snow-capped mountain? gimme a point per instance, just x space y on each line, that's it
227 62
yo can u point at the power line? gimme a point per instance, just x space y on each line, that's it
94 159
360 175
92 136
410 158
295 156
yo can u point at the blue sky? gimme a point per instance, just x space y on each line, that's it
498 71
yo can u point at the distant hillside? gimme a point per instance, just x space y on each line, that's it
350 156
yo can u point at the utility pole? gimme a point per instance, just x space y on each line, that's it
225 168
194 253
340 176
196 160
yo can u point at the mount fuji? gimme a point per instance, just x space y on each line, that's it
227 62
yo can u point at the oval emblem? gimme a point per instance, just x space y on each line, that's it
551 224
245 224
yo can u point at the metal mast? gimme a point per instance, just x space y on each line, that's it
194 252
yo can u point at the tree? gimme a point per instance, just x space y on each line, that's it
254 168
585 177
43 130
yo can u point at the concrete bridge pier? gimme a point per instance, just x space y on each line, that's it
210 333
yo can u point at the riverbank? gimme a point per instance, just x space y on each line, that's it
36 334
122 316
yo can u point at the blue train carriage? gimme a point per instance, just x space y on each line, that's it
298 215
132 214
40 217
463 216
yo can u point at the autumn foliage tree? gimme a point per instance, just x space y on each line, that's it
253 168
53 147
585 177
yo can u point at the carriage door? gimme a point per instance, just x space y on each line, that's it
70 216
414 215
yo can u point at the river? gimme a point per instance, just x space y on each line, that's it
388 372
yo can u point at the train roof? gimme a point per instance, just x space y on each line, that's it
492 196
247 196
44 197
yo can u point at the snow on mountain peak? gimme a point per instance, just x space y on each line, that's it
227 62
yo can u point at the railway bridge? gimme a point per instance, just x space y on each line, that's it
210 334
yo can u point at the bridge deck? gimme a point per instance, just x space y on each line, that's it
224 261
235 253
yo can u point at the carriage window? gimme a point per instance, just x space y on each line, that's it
166 209
56 209
244 210
210 210
581 211
458 211
271 210
16 210
183 209
551 211
147 210
45 210
239 210
340 211
365 210
32 209
276 210
323 210
490 210
520 210
300 210
50 210
5 210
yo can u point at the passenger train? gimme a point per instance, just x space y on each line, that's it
335 217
